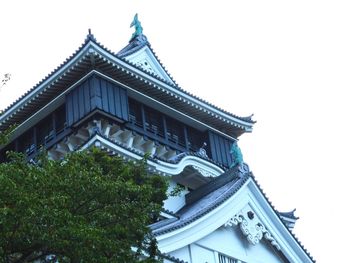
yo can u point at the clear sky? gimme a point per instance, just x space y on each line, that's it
288 62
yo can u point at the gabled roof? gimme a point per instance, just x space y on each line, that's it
208 200
92 56
139 53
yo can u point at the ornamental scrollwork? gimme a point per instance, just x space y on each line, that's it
269 237
251 228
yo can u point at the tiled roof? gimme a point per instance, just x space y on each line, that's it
47 76
56 82
139 42
206 202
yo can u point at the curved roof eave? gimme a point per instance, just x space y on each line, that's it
51 78
179 93
158 165
91 46
135 45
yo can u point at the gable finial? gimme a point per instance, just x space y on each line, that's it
90 36
138 28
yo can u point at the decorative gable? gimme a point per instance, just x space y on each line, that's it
251 226
145 59
234 222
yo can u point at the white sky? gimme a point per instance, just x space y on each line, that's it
288 62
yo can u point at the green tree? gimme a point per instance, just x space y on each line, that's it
89 207
5 135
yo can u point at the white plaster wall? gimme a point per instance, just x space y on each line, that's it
182 253
145 55
230 241
202 255
174 203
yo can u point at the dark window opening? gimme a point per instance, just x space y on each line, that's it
195 139
26 142
135 113
45 131
175 131
60 119
154 122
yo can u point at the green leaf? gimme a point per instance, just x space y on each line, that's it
89 207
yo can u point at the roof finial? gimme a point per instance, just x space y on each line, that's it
138 27
90 36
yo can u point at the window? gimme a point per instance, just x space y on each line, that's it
175 131
44 131
60 119
135 114
26 142
51 126
164 129
154 121
195 139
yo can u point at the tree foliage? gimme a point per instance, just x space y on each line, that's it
5 135
89 207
